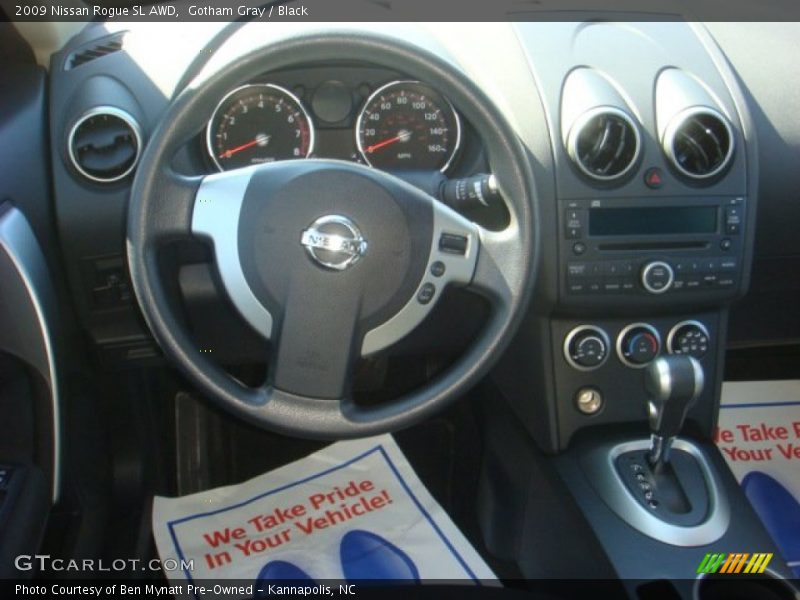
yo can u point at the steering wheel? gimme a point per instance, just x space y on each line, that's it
329 260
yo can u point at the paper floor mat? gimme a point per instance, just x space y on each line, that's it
352 511
759 435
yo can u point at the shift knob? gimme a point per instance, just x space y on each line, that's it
673 384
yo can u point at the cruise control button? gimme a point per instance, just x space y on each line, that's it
426 293
438 269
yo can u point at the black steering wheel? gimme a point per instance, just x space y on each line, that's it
329 260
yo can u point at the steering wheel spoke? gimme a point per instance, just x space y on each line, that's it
454 251
172 214
217 210
495 267
316 345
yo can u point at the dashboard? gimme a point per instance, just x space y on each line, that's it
654 165
647 182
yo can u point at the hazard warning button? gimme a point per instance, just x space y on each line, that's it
654 178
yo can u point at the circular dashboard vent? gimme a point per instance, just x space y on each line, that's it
699 143
104 144
604 143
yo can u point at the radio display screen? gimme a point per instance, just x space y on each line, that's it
661 220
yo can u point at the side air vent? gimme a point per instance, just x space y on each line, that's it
103 48
699 142
604 143
104 144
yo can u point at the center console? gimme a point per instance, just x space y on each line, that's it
611 390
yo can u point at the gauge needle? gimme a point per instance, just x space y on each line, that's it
260 139
402 137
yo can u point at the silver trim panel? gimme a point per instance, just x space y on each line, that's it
120 114
217 207
458 270
602 469
18 243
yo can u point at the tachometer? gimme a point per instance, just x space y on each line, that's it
256 124
408 125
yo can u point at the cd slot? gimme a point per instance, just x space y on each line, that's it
628 246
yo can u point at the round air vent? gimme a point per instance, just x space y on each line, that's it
604 143
104 144
699 142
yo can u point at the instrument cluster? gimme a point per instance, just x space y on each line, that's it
397 125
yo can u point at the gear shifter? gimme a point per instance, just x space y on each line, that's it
673 384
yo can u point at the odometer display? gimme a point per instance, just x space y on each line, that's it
258 123
408 125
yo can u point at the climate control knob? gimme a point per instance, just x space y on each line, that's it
689 338
638 345
586 347
657 277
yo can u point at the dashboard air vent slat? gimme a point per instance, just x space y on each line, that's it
699 143
604 144
103 48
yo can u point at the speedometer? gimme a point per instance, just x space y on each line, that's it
256 124
408 125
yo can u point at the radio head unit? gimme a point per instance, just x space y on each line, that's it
646 248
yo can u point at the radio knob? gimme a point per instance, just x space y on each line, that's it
657 277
